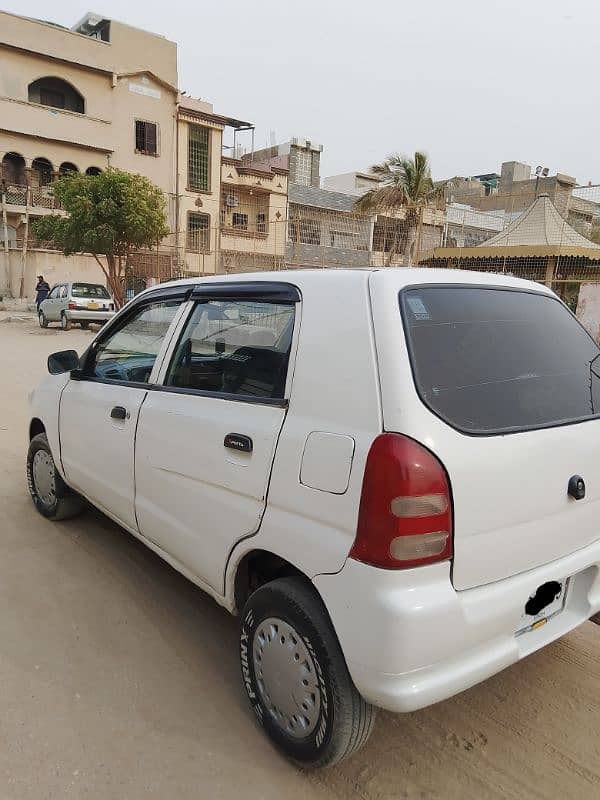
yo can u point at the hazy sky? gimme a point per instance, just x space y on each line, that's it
472 82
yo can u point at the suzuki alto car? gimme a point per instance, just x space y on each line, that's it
391 476
79 303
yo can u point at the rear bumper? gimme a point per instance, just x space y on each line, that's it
89 316
411 640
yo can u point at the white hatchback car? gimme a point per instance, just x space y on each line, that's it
392 476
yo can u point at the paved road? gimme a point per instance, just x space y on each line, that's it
119 679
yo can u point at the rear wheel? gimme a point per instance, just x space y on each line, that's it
65 322
51 495
42 320
296 676
85 325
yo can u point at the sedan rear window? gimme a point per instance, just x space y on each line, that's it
493 360
89 290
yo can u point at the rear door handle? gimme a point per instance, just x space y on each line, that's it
119 412
238 441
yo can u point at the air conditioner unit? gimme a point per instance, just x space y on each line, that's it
231 201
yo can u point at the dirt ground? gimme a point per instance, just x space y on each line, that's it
119 679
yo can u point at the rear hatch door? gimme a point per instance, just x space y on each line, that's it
508 393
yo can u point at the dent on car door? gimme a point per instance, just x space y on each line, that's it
99 412
205 443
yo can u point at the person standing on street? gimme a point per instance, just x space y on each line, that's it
42 290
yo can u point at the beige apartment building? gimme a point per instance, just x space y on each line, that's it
81 99
106 94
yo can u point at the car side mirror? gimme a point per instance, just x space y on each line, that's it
63 361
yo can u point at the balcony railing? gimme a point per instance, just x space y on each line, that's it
34 196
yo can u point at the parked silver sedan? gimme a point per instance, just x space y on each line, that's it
79 303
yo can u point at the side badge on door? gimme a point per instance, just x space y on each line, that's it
576 488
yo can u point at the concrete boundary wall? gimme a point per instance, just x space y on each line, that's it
54 266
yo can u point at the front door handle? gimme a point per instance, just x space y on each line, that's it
119 412
238 441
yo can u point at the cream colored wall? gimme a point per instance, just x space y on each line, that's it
56 152
54 267
18 70
137 50
129 49
129 106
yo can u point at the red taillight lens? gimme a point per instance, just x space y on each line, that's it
72 306
405 517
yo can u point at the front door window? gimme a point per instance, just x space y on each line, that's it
129 353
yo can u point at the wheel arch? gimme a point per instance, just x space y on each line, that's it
36 426
255 568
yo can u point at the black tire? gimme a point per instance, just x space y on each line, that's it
85 325
42 320
65 322
64 503
345 720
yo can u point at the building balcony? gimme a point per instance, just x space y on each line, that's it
20 116
39 200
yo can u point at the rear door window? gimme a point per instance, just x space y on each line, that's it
490 360
235 347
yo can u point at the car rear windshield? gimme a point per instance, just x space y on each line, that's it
89 290
494 360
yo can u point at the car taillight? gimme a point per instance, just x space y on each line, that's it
405 516
72 306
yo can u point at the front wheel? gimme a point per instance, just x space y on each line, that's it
42 320
51 495
85 325
296 676
65 322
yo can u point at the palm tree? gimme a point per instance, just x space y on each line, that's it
407 186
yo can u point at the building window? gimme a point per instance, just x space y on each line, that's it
66 168
41 172
56 93
389 235
198 159
198 232
261 223
303 168
305 231
146 137
240 221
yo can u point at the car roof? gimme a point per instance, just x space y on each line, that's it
397 277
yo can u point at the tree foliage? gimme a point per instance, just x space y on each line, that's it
109 215
406 186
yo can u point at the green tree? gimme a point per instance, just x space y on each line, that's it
109 215
406 187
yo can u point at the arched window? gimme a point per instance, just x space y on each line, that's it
66 167
93 171
41 172
13 169
56 93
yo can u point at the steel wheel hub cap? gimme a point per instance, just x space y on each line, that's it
286 676
43 477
